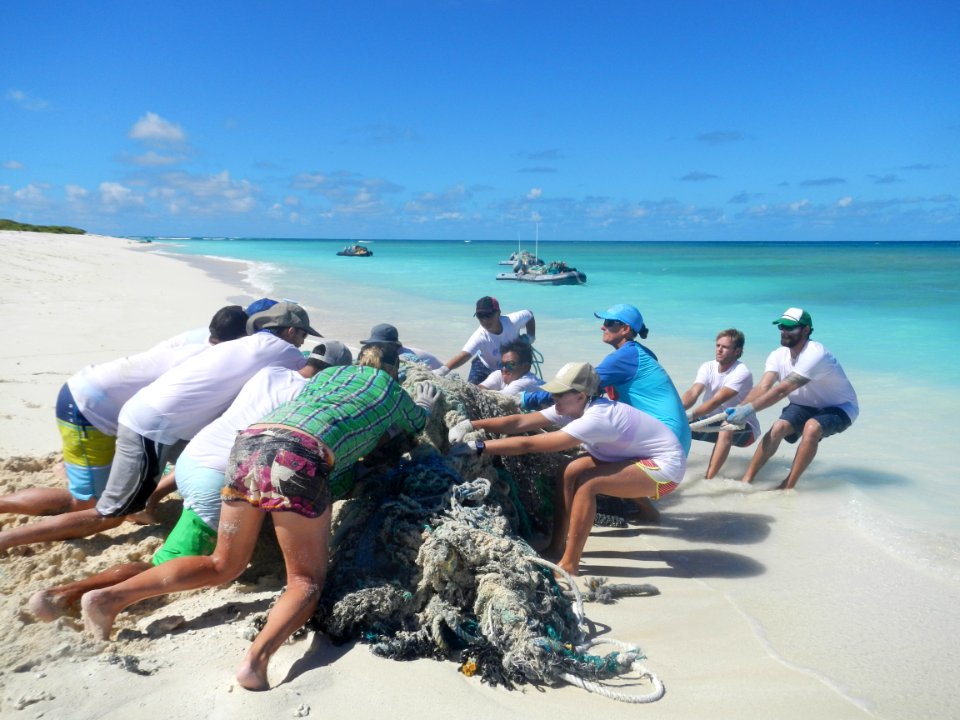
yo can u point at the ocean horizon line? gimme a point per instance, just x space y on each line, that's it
747 243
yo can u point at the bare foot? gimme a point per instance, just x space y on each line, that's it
97 620
46 606
571 570
252 678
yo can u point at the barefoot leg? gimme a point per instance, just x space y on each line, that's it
304 542
48 605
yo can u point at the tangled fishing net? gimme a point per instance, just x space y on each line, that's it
431 559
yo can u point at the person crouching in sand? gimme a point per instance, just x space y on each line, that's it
629 454
287 464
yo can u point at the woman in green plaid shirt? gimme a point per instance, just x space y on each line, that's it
290 464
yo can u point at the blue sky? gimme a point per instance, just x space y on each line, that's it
477 120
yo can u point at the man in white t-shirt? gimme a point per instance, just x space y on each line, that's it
484 345
629 454
156 423
822 400
723 382
88 406
514 376
200 477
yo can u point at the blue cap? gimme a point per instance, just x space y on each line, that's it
627 314
259 306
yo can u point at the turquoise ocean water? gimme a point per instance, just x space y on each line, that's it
888 311
880 307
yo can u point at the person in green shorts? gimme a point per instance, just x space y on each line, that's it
199 477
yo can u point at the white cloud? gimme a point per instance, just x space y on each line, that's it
12 165
152 128
534 193
154 159
845 202
210 194
115 196
75 193
30 195
25 101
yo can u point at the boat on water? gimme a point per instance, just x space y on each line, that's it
555 273
356 251
522 256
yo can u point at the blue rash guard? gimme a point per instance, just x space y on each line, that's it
631 374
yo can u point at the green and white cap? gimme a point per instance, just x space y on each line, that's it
794 316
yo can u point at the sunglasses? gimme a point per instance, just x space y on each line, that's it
484 315
511 366
789 329
613 324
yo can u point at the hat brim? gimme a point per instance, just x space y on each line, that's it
787 322
555 388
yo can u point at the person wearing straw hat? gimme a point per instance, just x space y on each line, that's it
822 402
723 382
628 453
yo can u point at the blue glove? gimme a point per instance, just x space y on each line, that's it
738 415
472 447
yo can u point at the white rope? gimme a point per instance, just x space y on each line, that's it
592 686
708 424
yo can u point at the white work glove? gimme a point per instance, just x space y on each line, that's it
427 395
738 415
689 416
473 447
442 371
459 431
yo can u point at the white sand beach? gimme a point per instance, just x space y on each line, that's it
729 634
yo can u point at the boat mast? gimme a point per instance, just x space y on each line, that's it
536 247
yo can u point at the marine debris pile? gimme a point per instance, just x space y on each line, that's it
431 559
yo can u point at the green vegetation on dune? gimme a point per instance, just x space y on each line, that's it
26 227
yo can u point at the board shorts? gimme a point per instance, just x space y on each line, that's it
87 452
137 467
278 469
190 537
832 420
664 482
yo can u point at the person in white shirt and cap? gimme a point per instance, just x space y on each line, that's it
628 453
159 420
822 400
